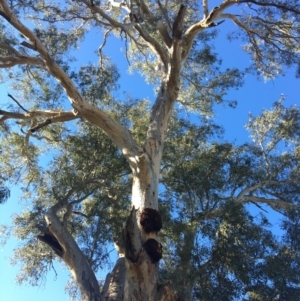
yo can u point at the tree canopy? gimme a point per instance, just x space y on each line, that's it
96 167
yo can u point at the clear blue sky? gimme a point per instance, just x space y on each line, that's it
254 96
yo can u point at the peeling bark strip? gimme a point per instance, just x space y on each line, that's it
177 25
150 220
131 237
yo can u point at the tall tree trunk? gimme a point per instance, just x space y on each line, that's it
140 234
141 230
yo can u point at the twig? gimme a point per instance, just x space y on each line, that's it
17 103
260 207
53 268
126 47
40 125
80 213
30 46
101 47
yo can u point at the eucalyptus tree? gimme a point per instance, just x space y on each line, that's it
102 183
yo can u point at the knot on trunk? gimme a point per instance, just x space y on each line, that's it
153 249
150 220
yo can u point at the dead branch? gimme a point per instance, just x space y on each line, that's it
17 103
102 46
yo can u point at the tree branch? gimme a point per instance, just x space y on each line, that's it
115 24
252 188
273 203
55 119
162 28
239 23
205 8
273 4
119 135
208 19
55 115
164 11
11 61
17 103
10 49
154 45
102 46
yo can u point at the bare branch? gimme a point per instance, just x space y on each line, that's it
178 22
162 28
113 23
206 22
54 119
10 49
253 188
273 4
28 45
58 116
102 46
119 4
239 23
273 203
80 213
11 61
17 103
205 8
164 11
176 55
154 45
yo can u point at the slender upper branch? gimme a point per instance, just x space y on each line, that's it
273 203
162 54
10 49
239 23
155 46
284 7
253 188
113 23
205 8
208 19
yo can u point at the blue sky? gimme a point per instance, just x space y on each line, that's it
253 96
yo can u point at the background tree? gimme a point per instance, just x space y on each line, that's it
101 183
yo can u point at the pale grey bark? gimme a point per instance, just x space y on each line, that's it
113 289
74 258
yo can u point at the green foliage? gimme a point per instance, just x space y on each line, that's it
215 246
211 237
